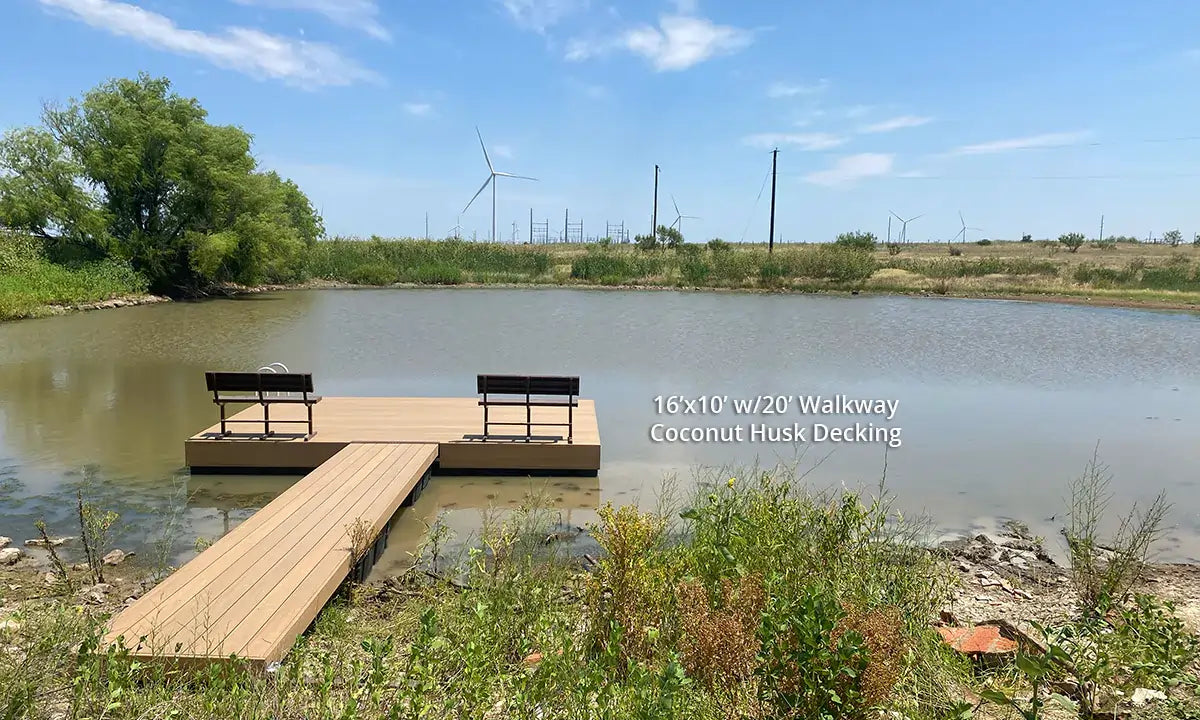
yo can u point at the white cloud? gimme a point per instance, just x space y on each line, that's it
677 43
852 168
786 90
503 151
245 50
540 15
418 109
804 141
681 42
362 15
1022 143
897 123
857 111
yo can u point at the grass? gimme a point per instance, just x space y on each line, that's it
1110 273
35 287
755 597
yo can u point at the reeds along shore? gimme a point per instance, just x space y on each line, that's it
1109 273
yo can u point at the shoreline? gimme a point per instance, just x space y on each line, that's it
320 284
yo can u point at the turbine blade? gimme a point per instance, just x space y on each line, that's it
897 216
960 218
518 177
481 189
485 155
676 206
917 217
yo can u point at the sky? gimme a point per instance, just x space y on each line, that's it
1023 115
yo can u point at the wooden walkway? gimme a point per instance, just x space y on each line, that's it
254 591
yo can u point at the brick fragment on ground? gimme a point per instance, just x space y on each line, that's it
978 640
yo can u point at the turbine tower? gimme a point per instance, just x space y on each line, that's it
493 173
904 225
963 232
680 217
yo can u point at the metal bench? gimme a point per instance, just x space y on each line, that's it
263 388
528 391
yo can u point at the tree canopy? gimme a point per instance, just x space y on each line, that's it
134 171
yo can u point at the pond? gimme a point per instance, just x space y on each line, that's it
995 406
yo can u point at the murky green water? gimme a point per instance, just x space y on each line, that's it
999 403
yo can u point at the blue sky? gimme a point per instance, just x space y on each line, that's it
1027 116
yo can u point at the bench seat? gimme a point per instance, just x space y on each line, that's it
528 391
310 400
234 388
535 403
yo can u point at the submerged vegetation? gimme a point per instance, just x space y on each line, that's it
757 598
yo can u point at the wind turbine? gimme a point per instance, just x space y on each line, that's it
963 232
904 225
680 217
457 229
492 175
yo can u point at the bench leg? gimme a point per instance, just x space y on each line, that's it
570 423
310 423
528 420
223 430
266 419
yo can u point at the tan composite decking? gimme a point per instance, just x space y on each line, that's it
254 591
447 422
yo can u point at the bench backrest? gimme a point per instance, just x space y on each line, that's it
528 385
258 382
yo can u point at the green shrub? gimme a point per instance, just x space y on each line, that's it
955 251
1072 241
984 242
856 239
735 267
439 274
376 273
894 248
717 245
1026 238
695 271
807 671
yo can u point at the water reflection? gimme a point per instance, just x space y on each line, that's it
1000 403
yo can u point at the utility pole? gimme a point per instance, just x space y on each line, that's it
566 223
654 214
774 167
1101 238
530 226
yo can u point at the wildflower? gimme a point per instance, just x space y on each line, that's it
731 481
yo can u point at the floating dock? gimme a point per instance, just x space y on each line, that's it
453 424
257 589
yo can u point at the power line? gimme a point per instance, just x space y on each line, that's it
760 192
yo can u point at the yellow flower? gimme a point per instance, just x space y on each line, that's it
731 482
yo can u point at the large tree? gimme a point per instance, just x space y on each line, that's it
134 171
